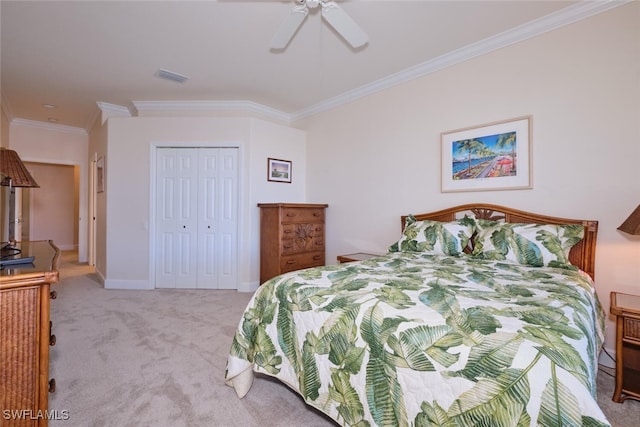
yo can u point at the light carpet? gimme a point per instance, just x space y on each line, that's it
157 358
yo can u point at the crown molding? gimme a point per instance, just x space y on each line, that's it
561 18
49 126
242 106
118 110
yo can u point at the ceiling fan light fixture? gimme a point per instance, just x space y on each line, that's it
170 75
331 12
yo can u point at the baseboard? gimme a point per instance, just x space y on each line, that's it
69 247
248 287
128 284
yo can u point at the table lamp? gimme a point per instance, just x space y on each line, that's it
632 224
13 173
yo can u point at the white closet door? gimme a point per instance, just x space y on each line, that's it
176 218
196 220
218 198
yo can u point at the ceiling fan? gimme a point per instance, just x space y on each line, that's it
334 15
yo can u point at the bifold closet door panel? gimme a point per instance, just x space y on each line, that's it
176 218
218 219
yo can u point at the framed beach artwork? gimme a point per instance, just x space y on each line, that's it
278 170
493 156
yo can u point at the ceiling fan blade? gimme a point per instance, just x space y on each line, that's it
289 27
343 24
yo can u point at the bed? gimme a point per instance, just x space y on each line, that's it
479 315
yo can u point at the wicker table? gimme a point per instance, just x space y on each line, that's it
25 333
627 309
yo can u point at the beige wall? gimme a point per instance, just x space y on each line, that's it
125 221
378 158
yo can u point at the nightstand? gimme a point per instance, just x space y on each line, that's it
358 256
627 309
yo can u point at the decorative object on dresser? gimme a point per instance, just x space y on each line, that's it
25 334
626 308
291 237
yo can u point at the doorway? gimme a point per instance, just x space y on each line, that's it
50 212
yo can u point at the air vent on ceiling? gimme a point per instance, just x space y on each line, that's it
170 75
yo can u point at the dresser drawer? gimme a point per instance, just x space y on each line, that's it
305 260
302 231
299 246
310 215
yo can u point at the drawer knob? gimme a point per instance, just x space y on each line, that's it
52 385
290 214
291 262
288 246
53 295
316 214
317 257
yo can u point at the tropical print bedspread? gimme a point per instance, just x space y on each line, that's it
416 339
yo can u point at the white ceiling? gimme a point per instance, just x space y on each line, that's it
75 54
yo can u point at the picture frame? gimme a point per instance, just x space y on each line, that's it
100 175
279 170
492 156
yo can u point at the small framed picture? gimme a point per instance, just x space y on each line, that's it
278 170
493 156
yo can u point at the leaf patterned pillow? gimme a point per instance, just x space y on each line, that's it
528 244
435 237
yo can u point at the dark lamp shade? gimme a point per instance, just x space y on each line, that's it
632 224
13 172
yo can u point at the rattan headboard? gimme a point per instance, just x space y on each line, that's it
582 255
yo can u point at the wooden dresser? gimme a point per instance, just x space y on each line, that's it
291 237
25 335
